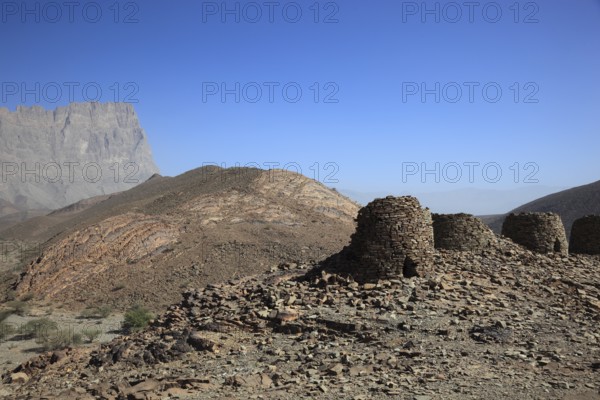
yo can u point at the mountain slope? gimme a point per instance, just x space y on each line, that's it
207 225
570 204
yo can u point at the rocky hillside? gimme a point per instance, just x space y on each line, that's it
53 158
7 208
208 225
570 204
490 324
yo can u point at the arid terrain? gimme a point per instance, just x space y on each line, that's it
250 278
506 323
344 200
145 245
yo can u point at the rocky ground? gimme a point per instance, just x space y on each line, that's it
16 349
505 323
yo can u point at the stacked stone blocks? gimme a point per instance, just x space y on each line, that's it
462 232
394 238
585 235
539 232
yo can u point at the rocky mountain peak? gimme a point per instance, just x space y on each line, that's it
53 158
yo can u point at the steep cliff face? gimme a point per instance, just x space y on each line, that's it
50 159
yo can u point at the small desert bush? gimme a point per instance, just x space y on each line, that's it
88 313
105 311
96 312
60 340
39 328
19 307
136 318
27 297
6 330
91 334
6 313
49 335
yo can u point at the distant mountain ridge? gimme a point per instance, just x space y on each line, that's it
570 204
204 226
53 158
475 200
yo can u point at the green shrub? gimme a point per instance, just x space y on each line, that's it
136 318
88 313
62 339
6 330
76 339
118 287
6 313
39 328
105 311
19 307
96 312
47 333
91 334
27 297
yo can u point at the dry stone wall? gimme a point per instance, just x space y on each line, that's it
539 232
394 238
461 232
585 235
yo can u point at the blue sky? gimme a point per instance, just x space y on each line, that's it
367 127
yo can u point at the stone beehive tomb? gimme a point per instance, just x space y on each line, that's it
394 238
585 235
539 232
461 232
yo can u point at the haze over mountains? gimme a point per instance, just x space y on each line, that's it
477 201
53 158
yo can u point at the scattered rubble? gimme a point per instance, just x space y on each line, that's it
494 323
387 317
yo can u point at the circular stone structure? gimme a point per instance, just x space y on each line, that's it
539 232
585 235
462 232
393 238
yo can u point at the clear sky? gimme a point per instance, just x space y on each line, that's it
388 88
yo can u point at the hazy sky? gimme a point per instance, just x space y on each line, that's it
388 88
